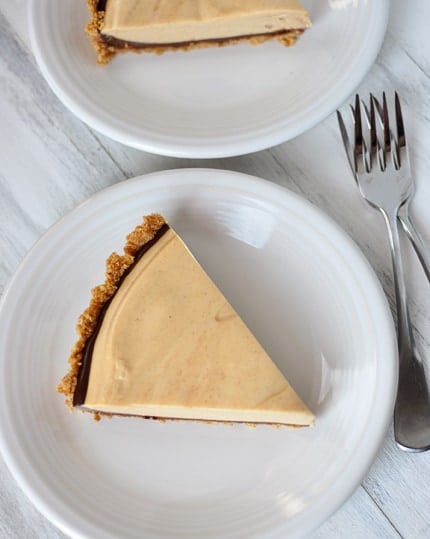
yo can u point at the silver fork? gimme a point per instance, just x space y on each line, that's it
401 151
380 165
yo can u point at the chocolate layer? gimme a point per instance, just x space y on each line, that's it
83 375
118 44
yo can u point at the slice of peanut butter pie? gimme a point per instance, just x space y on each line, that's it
160 340
161 25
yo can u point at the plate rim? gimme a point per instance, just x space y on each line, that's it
188 148
275 191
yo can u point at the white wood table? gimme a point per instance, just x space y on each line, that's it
51 161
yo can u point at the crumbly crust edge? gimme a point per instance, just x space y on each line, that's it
116 265
105 51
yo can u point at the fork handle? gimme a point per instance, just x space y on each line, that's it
412 409
404 331
415 239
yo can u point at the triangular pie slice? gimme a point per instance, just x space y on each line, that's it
160 340
161 25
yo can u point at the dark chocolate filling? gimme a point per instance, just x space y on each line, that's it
123 44
83 376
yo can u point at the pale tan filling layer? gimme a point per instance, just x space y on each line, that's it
171 346
299 418
177 21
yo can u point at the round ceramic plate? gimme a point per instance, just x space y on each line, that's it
309 296
212 102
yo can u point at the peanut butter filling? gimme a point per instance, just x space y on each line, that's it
181 21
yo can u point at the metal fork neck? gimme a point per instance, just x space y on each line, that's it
405 337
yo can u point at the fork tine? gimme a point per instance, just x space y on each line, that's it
381 112
378 109
357 122
399 120
371 124
366 112
387 137
401 137
358 133
374 144
345 140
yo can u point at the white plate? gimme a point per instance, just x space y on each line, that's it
310 297
213 102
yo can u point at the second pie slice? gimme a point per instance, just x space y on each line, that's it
162 25
160 340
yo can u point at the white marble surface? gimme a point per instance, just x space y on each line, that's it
50 161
